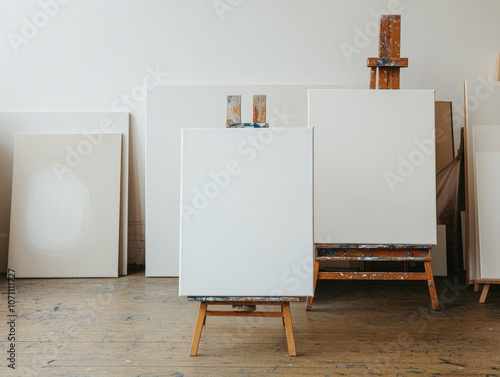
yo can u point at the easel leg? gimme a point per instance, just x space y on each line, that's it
309 301
476 287
432 286
283 317
197 330
484 293
287 316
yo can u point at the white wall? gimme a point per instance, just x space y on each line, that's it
89 55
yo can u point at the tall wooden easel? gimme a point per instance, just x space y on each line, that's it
388 65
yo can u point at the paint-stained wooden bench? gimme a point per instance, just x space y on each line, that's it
375 253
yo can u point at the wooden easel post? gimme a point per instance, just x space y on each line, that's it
389 61
285 314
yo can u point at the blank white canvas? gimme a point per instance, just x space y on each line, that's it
481 139
488 209
59 122
374 166
439 262
168 109
65 216
246 226
482 110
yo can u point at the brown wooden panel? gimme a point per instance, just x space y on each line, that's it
384 37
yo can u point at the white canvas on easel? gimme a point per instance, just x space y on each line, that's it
374 166
168 109
60 122
246 214
65 215
488 210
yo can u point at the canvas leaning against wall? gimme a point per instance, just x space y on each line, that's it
65 215
56 123
168 109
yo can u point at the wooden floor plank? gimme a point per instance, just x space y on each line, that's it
137 326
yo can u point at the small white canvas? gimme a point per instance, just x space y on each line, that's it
246 214
374 166
54 123
168 109
488 210
65 215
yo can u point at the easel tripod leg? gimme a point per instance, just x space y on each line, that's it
287 316
484 293
198 327
309 301
432 286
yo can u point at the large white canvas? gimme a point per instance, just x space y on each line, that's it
168 109
65 216
59 122
488 210
481 139
246 226
374 166
482 109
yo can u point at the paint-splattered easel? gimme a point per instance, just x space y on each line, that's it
388 65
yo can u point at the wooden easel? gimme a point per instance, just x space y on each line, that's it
285 314
375 253
388 65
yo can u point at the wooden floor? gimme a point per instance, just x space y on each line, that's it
137 326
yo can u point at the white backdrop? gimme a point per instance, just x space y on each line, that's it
94 55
